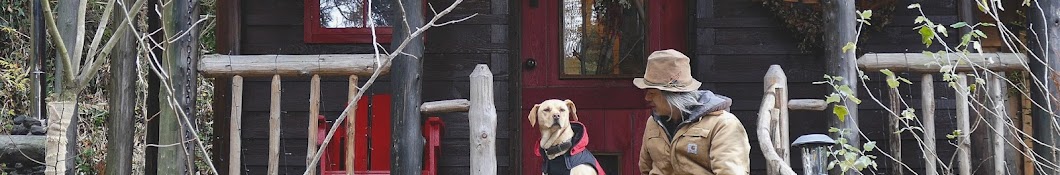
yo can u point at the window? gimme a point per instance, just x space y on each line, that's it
602 38
347 21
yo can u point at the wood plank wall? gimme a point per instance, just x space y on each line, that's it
736 41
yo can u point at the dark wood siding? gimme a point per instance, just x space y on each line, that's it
737 40
275 27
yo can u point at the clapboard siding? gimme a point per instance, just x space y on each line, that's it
276 27
736 41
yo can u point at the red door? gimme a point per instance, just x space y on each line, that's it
589 51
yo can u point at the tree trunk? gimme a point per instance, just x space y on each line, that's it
122 98
407 153
63 117
839 16
1045 24
179 61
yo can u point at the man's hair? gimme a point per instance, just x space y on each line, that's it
682 101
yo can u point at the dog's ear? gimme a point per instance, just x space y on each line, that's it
533 115
573 110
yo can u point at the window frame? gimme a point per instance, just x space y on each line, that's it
313 32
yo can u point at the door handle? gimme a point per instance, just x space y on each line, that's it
530 63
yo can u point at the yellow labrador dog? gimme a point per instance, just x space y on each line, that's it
563 139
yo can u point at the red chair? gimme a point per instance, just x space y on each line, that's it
333 160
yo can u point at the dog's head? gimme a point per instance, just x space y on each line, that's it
553 113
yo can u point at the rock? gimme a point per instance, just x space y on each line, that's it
31 122
37 130
19 119
19 130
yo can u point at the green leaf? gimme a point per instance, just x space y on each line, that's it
971 88
914 5
867 14
941 29
832 164
987 24
819 82
980 33
926 35
862 162
869 146
840 111
977 46
887 72
833 129
845 90
832 98
891 81
909 113
905 80
959 25
849 46
919 19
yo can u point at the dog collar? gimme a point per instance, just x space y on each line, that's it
558 148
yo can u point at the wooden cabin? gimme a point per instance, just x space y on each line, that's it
587 51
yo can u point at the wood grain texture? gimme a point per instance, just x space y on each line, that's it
289 65
920 62
234 129
274 127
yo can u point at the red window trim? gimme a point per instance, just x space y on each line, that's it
314 33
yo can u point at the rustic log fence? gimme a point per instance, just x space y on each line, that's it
482 116
772 116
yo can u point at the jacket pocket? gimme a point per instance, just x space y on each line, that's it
692 149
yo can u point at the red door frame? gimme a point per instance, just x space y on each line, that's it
613 110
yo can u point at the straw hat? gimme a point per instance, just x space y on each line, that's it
668 70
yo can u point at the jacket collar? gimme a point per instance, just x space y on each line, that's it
577 143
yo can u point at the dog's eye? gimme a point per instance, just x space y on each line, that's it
548 110
562 110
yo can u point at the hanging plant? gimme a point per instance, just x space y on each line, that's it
806 19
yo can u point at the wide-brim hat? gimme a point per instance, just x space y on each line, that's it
668 70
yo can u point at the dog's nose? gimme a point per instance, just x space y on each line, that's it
555 117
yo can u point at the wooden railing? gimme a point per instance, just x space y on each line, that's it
482 112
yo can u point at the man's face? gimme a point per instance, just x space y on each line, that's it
658 103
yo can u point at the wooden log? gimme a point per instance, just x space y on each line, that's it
482 120
351 126
764 141
274 128
25 149
894 139
1041 19
807 104
840 28
407 124
314 112
998 118
122 100
923 63
776 79
928 116
289 65
235 146
444 106
964 156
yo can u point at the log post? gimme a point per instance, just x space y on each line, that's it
773 160
1044 22
483 122
893 125
839 19
235 127
775 78
964 156
444 106
274 128
406 125
314 111
122 101
351 127
928 102
998 115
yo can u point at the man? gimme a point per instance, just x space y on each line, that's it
690 130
